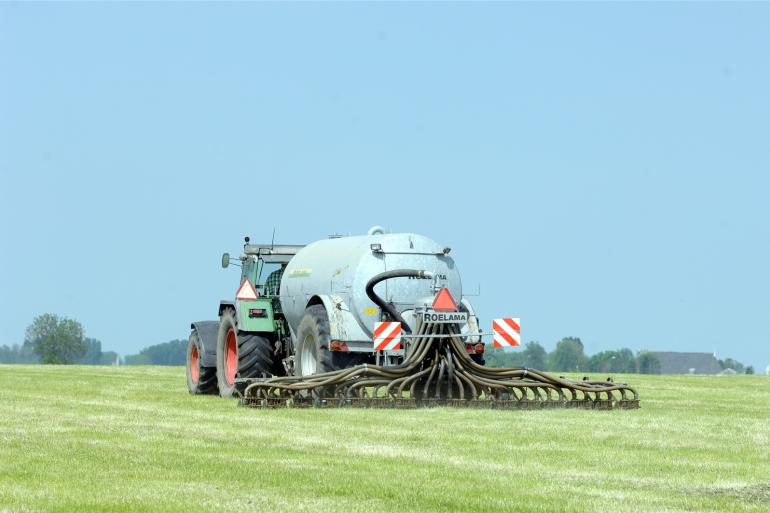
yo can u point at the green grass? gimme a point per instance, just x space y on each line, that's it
132 439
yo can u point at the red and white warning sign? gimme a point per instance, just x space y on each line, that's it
507 332
444 302
246 292
387 336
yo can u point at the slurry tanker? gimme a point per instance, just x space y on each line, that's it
377 320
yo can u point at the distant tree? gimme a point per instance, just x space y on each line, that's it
535 356
173 352
729 363
749 370
602 361
647 363
137 359
568 356
108 358
93 354
613 361
500 357
18 354
56 340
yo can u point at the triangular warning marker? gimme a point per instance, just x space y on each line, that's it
246 292
444 302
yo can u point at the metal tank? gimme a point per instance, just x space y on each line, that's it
335 272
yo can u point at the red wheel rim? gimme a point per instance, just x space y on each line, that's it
194 365
231 357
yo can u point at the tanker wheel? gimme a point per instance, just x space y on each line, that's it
313 355
200 379
240 355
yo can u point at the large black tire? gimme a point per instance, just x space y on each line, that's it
312 354
240 355
200 379
255 356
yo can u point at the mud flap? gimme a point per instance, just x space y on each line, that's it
207 336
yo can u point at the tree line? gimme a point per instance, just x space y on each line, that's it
738 367
58 340
569 356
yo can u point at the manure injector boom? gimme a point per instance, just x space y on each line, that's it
367 321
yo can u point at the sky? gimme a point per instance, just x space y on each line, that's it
599 170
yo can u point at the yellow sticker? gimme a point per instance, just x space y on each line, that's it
294 273
370 311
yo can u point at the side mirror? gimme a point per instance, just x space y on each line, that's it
225 260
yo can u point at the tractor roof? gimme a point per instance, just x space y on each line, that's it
271 252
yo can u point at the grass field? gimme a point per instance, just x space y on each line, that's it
131 439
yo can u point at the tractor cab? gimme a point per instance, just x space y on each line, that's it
260 261
251 328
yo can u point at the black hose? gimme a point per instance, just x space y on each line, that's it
441 368
397 273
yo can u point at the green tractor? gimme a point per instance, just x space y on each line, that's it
247 341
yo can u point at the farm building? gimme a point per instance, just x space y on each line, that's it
672 362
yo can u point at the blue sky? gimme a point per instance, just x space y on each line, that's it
600 170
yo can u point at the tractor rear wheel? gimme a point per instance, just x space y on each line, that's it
200 379
313 355
240 355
